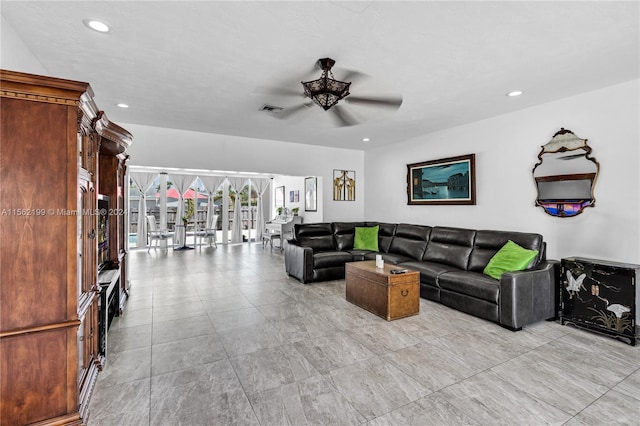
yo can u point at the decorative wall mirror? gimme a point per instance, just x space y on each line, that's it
565 175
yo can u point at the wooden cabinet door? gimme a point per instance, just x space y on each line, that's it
89 361
38 264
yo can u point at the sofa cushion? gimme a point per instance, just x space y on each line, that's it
410 240
511 257
329 259
366 238
344 233
386 231
391 258
450 246
429 271
359 255
472 284
487 244
318 236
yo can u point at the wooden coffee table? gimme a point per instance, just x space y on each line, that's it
381 292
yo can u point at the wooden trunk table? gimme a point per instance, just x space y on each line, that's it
381 292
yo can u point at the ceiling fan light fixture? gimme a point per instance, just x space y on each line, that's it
326 91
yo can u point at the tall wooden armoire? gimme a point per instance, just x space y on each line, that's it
56 149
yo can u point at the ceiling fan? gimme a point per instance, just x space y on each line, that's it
326 92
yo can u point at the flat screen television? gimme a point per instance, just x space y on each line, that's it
103 231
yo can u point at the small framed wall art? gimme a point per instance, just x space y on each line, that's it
344 185
444 181
310 194
279 196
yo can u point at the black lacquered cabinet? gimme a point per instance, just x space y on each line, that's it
600 296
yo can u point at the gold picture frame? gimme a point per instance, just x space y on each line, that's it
344 185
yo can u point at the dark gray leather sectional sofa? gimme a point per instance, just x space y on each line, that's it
450 261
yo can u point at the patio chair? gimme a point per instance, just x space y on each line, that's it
155 234
208 232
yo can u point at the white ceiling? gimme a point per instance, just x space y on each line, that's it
203 65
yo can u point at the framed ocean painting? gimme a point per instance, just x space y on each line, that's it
444 181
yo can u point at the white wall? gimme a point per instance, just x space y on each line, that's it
506 148
161 147
15 54
296 183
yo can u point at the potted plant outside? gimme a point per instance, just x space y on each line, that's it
189 213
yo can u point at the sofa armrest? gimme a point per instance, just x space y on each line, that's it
528 296
298 261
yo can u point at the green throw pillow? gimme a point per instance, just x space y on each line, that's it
511 257
366 239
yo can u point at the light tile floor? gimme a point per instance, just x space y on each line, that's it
223 337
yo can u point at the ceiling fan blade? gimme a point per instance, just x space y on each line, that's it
279 91
342 117
293 110
383 101
353 75
311 73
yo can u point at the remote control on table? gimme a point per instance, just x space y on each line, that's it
398 271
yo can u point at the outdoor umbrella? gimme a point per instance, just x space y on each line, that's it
189 194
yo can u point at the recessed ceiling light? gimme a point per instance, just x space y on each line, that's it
123 105
366 140
514 93
96 25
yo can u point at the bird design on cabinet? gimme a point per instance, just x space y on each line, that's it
618 309
574 284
